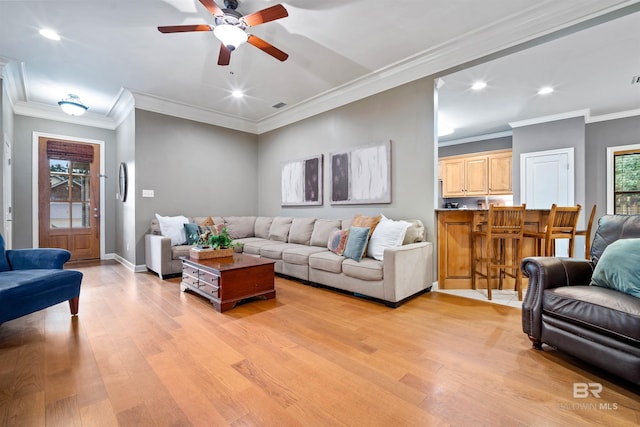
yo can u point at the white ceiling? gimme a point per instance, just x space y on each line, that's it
339 51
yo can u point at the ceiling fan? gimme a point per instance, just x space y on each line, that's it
230 28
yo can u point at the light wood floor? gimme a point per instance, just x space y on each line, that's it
142 353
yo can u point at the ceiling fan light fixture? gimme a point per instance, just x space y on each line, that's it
230 35
72 105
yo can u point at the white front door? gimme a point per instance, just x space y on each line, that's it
547 177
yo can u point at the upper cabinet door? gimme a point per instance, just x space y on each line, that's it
500 174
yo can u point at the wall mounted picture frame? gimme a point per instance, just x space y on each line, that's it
301 182
361 175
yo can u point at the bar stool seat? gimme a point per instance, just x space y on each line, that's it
561 224
497 247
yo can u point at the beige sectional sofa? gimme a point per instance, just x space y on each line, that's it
299 248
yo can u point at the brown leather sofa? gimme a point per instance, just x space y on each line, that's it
598 325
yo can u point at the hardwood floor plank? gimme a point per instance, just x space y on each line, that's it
141 352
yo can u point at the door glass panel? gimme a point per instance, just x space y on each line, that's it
81 215
59 215
80 192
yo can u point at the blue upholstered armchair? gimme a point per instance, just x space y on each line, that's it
34 279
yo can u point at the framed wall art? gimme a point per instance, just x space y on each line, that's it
361 175
301 182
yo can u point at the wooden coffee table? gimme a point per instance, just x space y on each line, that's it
227 281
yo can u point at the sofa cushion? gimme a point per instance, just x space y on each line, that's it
253 247
326 261
593 307
274 251
299 254
173 228
415 232
262 226
239 227
366 269
388 234
356 242
180 250
280 227
619 267
323 229
300 231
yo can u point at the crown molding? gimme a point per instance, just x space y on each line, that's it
551 118
49 112
164 106
478 138
613 116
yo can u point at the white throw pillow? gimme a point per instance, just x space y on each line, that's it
173 227
388 234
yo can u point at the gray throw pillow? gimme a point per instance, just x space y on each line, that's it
619 267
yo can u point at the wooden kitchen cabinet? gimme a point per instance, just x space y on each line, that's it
500 173
476 175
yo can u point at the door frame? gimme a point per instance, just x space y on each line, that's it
35 191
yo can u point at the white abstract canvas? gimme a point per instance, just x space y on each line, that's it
301 182
362 175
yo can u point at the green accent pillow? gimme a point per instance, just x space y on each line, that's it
356 243
619 267
192 232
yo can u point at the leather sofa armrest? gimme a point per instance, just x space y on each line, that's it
548 273
37 258
157 253
408 269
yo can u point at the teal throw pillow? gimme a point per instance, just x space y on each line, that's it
356 243
619 267
192 232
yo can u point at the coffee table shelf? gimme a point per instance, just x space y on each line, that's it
227 281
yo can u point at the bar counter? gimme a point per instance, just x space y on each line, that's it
454 244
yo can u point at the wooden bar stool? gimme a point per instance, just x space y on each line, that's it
587 233
561 224
497 247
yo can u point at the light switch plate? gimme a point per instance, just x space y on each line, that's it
147 193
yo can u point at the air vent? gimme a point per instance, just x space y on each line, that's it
279 105
635 80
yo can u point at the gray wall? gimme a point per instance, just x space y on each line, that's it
195 169
599 136
125 230
551 136
22 174
503 143
403 115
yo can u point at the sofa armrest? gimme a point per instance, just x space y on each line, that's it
157 253
547 273
37 258
408 269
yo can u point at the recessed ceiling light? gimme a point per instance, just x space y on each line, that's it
237 94
478 85
50 34
545 90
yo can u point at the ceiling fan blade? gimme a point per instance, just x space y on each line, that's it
225 55
265 15
183 28
212 7
267 48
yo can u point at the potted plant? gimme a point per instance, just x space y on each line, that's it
212 245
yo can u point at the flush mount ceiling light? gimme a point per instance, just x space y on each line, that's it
478 85
237 93
545 90
50 34
72 105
